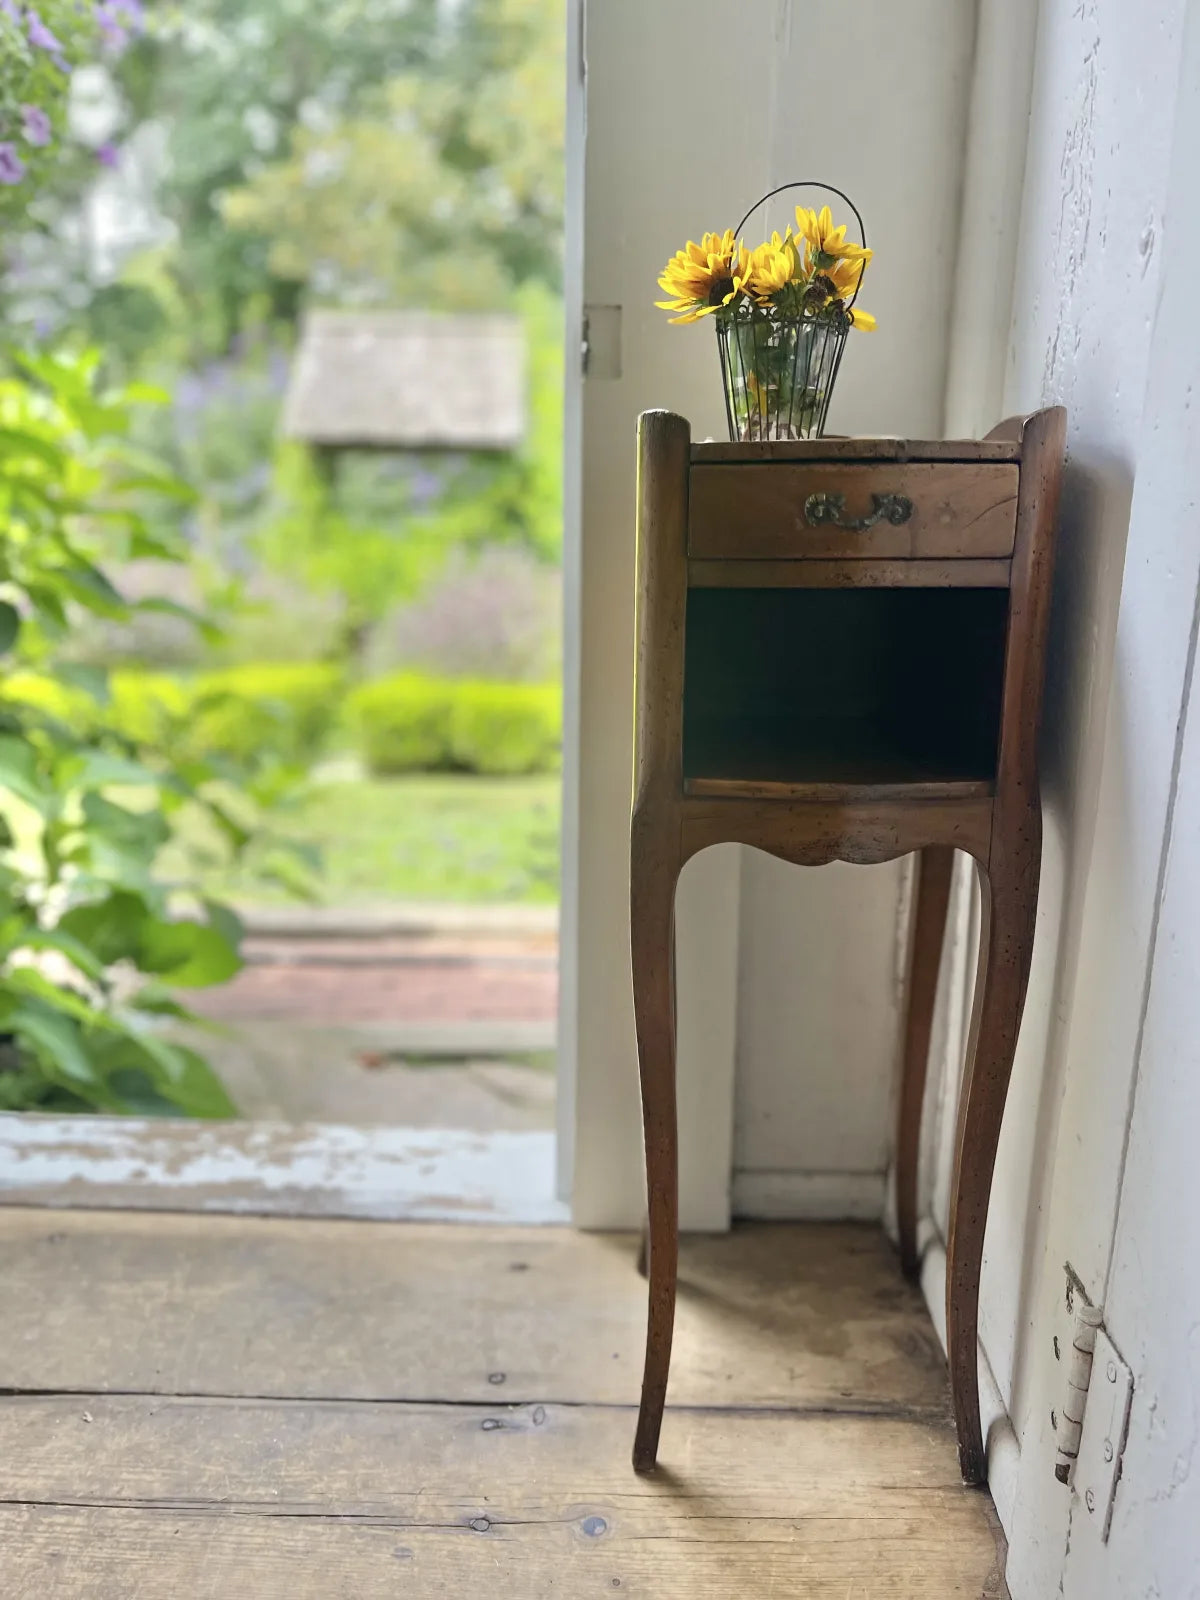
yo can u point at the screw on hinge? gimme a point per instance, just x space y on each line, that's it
1108 1450
1090 1500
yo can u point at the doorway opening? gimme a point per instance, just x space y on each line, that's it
315 260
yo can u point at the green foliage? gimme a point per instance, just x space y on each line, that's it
273 711
440 186
517 498
91 942
410 723
373 554
506 728
384 151
286 708
231 81
37 54
368 561
148 708
441 836
429 836
387 152
402 723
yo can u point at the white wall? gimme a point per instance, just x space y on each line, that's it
694 108
1103 322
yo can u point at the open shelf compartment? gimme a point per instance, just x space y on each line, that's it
843 686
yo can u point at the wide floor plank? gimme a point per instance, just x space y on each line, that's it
212 1408
772 1316
147 1499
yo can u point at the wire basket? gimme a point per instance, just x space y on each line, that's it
779 368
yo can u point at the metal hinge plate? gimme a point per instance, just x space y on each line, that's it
1105 1428
601 353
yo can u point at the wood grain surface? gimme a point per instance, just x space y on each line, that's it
758 512
809 1449
997 446
848 574
311 1502
177 1304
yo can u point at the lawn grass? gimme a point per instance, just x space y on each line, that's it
456 838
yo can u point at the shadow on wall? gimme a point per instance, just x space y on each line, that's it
1092 534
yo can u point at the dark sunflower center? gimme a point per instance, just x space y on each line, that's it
721 287
820 290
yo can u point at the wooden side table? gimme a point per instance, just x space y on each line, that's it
840 651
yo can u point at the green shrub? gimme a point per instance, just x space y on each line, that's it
148 706
50 696
285 708
506 728
410 723
79 855
402 724
280 709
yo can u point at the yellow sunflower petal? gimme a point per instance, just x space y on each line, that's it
862 319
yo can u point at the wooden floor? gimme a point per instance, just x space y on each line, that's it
212 1408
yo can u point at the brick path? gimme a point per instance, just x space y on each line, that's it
390 979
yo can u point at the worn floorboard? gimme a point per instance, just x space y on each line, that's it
313 1411
236 1305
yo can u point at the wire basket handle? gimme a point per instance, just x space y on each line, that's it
811 183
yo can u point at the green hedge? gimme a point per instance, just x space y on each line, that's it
148 707
410 723
288 708
281 709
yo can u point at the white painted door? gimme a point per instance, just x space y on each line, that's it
693 109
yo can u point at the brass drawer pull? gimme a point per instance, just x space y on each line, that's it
822 508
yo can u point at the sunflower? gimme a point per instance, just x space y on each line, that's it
846 276
771 267
840 261
704 277
827 244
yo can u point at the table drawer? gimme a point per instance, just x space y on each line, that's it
890 509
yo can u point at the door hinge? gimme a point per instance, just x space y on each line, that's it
600 351
1078 1358
1105 1430
1092 1421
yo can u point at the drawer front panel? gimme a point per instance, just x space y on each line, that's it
897 510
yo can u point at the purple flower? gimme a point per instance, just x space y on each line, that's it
11 10
40 35
12 168
108 155
118 20
37 125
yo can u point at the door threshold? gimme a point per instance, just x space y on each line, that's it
279 1169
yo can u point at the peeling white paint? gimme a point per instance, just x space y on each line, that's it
276 1169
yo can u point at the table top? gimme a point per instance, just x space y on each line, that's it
858 449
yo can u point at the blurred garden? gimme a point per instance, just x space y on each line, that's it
233 673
